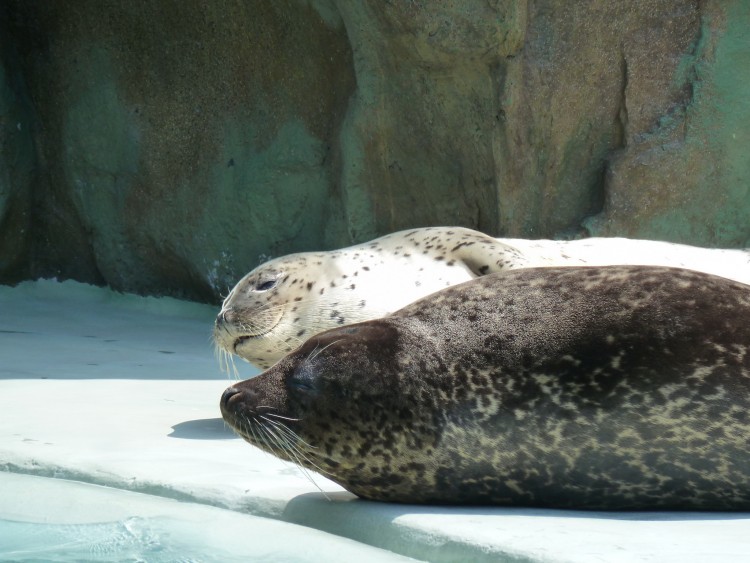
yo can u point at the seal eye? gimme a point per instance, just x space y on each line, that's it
303 380
301 385
265 285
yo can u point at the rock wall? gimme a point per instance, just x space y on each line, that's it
168 147
17 165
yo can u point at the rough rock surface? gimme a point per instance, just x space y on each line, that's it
16 166
169 147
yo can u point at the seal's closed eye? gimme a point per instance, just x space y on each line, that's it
303 380
265 285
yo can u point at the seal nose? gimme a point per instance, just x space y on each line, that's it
227 395
226 316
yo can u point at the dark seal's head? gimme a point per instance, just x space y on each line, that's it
339 405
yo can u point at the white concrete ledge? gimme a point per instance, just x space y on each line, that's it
123 391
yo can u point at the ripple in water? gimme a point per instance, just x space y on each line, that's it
135 540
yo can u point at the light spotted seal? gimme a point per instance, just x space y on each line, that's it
623 387
284 301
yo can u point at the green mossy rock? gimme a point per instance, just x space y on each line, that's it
169 147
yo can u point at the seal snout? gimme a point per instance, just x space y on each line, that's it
234 412
225 317
226 397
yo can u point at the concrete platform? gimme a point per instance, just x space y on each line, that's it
123 391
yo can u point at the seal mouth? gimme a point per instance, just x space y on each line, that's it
240 340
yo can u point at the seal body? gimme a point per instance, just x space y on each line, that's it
281 303
594 388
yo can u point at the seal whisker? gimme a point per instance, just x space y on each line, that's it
225 328
283 417
219 355
256 440
229 359
264 431
248 426
291 434
260 437
284 444
317 352
268 411
226 362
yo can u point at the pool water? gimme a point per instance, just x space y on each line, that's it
54 520
134 539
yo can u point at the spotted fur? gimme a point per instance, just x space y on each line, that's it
285 301
595 388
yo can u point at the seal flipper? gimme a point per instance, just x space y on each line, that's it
487 255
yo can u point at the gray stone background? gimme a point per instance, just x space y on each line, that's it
169 146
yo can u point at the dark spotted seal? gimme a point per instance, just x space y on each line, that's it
278 305
619 387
